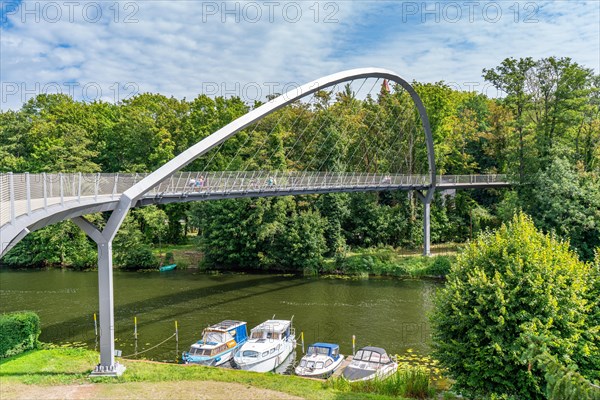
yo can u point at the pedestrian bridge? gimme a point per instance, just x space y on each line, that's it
32 201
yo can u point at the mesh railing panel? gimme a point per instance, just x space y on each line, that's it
35 191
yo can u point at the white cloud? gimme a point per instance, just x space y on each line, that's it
175 49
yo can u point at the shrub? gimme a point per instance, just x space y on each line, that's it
439 267
18 332
504 286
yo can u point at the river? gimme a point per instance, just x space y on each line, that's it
389 313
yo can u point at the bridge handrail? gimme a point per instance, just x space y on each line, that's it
23 193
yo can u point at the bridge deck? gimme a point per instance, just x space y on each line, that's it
24 194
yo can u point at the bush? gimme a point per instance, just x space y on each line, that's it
503 287
18 332
439 267
140 257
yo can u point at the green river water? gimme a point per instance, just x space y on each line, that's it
389 313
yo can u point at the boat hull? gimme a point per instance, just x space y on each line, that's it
352 374
223 358
267 364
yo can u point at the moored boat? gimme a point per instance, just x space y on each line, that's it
219 343
321 360
170 267
370 363
270 343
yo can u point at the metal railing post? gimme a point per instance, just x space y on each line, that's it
11 191
62 194
45 191
28 184
96 186
114 191
79 189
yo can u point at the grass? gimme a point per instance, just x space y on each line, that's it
71 366
184 255
409 381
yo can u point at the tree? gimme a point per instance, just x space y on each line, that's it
506 285
566 200
511 77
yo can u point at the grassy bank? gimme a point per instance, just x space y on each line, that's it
64 369
384 261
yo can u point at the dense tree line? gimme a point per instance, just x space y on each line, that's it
544 131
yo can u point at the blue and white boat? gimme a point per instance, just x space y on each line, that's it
218 345
321 360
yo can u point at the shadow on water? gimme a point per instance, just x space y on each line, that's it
168 301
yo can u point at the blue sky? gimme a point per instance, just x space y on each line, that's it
110 50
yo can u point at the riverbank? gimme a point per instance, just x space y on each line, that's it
63 373
379 261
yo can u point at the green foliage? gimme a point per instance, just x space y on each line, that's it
563 382
387 261
19 332
505 285
130 250
566 200
62 244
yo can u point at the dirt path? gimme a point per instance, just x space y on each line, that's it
142 390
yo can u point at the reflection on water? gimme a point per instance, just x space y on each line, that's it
383 312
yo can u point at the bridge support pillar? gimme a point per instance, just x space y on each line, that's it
426 228
107 365
426 199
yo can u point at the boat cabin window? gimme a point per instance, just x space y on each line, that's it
273 335
385 359
250 353
256 335
328 363
266 353
199 352
219 349
320 365
375 357
360 355
335 352
303 363
318 350
272 350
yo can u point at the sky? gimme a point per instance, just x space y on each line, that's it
111 50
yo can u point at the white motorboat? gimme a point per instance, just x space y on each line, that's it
321 360
270 343
219 343
370 363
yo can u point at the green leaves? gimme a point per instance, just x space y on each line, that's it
507 284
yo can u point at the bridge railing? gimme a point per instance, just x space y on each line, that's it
472 179
258 181
21 194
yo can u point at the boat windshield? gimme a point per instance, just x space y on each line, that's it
259 334
217 337
250 353
312 350
371 356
